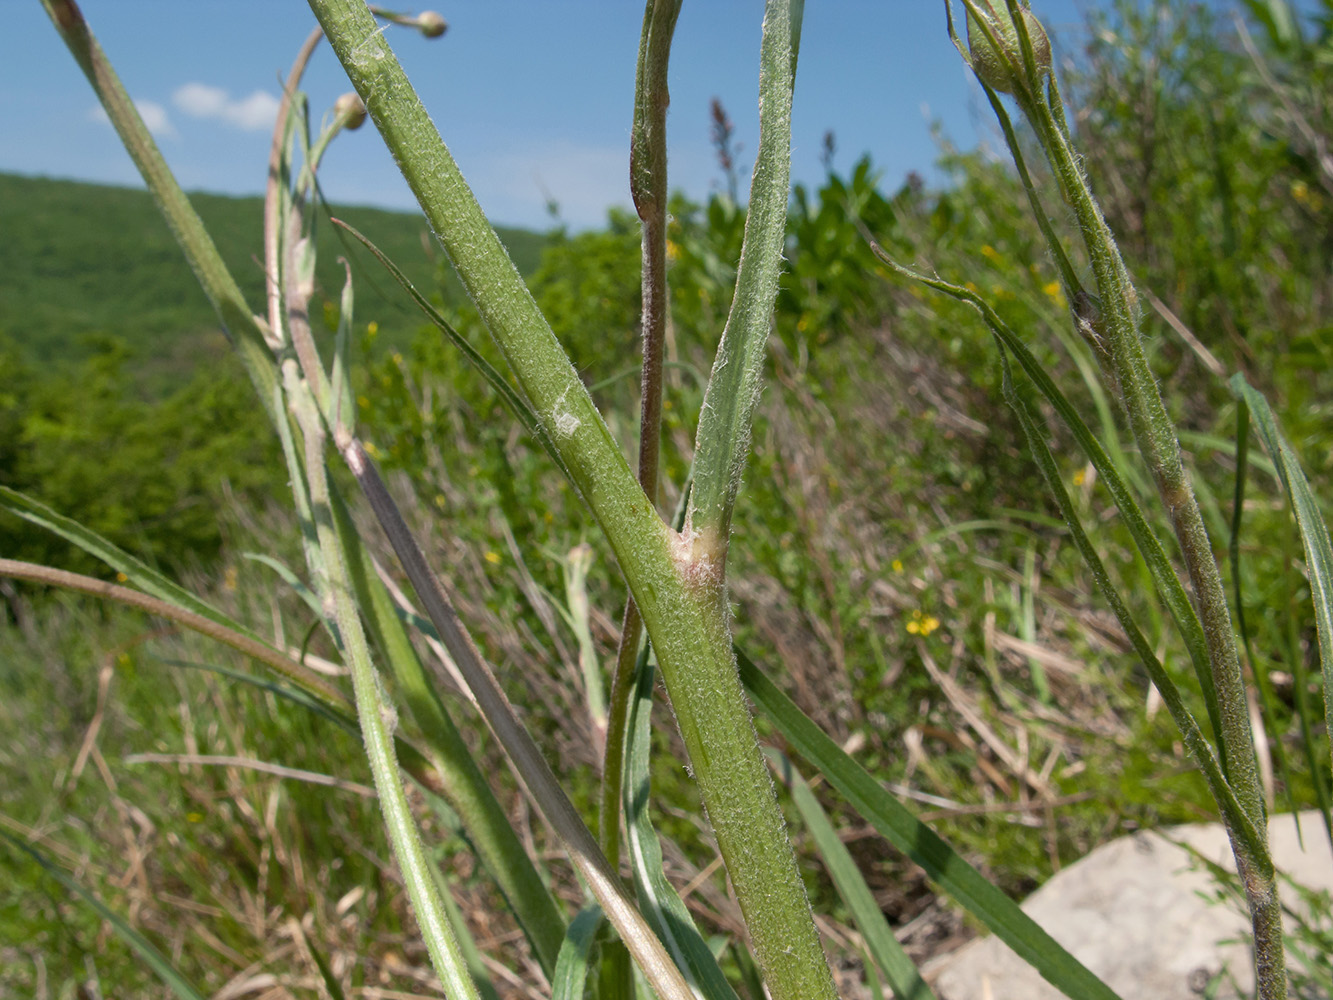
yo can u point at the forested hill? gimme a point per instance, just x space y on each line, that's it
81 261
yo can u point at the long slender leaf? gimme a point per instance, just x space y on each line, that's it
1259 667
140 945
571 967
1314 532
901 972
659 901
1239 822
920 843
143 576
469 793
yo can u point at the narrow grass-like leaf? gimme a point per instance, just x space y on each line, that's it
900 971
723 439
1259 667
238 640
143 576
484 819
293 581
662 906
518 406
1314 532
295 695
140 945
977 894
571 967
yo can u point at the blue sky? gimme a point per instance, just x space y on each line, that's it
533 98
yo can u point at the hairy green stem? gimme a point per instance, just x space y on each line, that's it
378 720
682 604
1115 332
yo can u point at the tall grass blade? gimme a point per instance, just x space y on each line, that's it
571 968
919 842
900 971
139 573
140 945
661 905
1314 532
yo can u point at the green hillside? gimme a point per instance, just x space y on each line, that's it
84 260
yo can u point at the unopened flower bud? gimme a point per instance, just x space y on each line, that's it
996 65
431 24
351 109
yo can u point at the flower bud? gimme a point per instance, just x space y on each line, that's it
351 109
996 66
431 24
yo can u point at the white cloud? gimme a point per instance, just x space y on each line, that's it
153 114
250 114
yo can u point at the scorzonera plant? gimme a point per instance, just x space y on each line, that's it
676 620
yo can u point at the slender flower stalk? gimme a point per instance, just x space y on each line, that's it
1010 49
648 184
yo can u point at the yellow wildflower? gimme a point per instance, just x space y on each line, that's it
921 623
493 557
1055 293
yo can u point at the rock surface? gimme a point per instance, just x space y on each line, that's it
1137 912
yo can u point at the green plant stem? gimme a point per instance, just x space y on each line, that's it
378 718
1156 437
648 185
682 602
1117 326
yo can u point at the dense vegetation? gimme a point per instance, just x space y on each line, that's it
894 551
